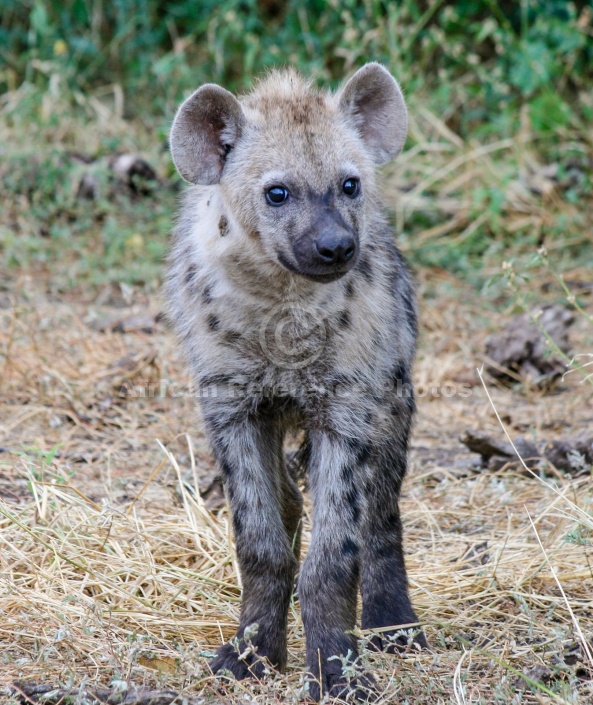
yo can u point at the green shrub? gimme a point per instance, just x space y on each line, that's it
486 55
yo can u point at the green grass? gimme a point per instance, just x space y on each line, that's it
97 78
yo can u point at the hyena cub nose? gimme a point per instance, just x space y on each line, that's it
335 248
282 241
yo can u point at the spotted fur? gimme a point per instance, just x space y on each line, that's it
272 349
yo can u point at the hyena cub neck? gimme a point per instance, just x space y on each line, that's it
281 244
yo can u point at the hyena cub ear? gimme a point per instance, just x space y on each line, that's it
373 101
206 127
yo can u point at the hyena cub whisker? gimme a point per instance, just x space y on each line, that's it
296 310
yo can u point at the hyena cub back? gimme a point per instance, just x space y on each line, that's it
296 310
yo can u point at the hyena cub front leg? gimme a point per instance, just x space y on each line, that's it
265 525
384 586
357 539
328 584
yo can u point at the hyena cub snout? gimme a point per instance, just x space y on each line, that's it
325 252
284 215
315 220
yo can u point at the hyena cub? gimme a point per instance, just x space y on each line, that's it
296 310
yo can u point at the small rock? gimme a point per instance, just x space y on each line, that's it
486 446
522 349
88 187
133 171
140 323
475 556
135 324
569 455
537 673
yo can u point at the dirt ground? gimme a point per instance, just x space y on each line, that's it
115 572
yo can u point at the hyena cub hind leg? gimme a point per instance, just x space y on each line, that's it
250 450
384 586
294 470
297 462
292 512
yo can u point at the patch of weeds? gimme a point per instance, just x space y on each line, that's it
47 227
488 70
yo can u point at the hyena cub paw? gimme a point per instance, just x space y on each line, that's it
398 641
358 689
339 679
241 660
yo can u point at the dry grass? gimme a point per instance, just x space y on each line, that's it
114 570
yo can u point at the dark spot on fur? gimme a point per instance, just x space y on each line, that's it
209 380
223 226
207 203
302 112
213 322
361 450
240 509
225 466
341 378
207 295
344 319
396 409
349 290
190 273
391 523
400 373
405 406
349 548
347 474
409 307
231 337
384 550
353 500
404 390
366 269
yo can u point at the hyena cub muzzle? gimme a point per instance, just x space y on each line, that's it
296 310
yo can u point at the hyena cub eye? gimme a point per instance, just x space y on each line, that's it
351 187
276 195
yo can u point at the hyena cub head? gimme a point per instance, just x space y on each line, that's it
295 165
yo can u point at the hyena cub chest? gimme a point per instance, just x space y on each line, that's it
273 337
